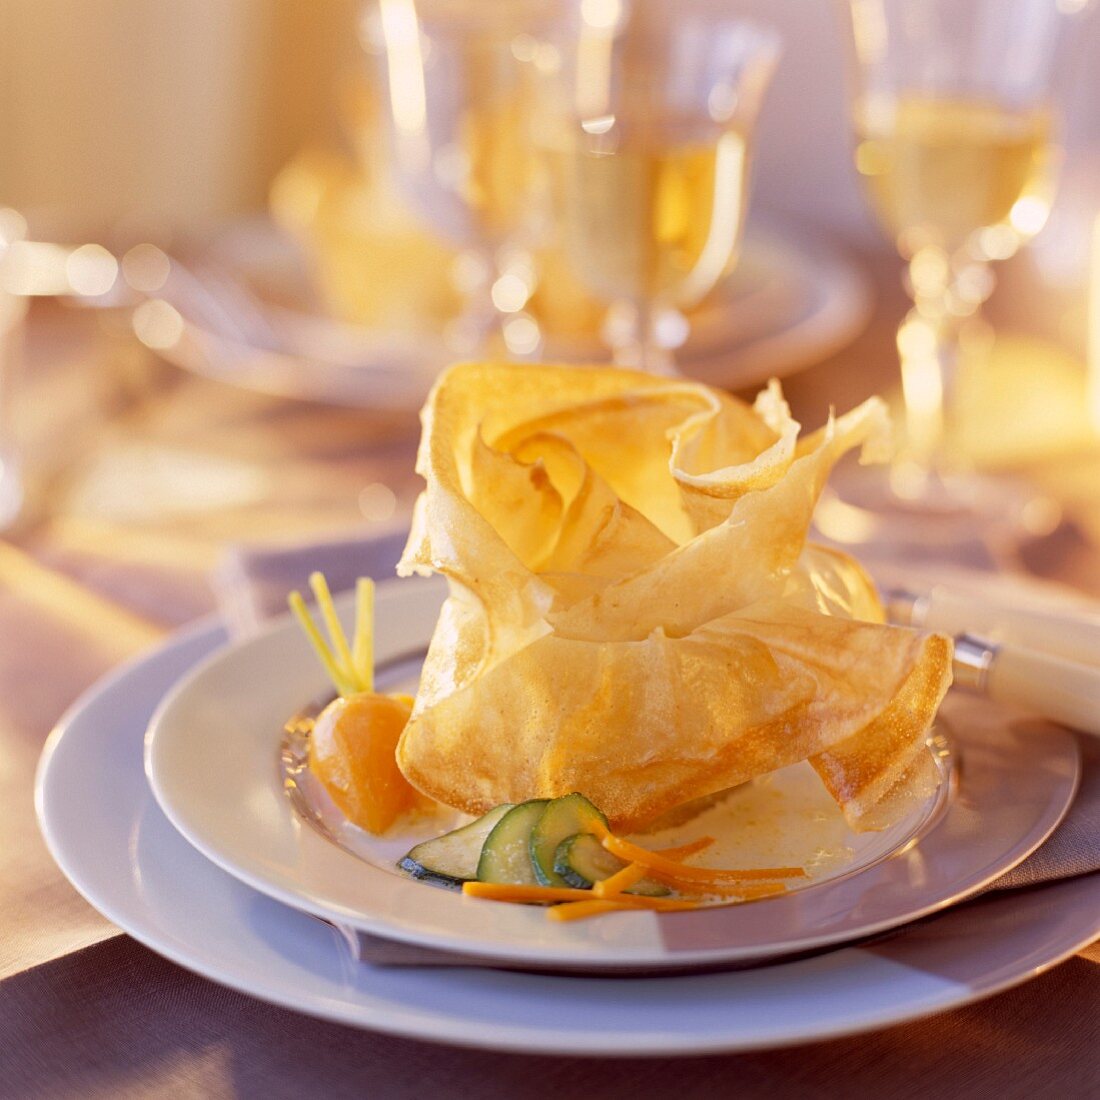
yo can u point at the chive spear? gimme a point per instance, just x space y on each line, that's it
298 606
332 624
350 670
363 646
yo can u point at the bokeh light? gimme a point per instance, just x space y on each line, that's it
91 270
157 324
146 268
377 502
521 335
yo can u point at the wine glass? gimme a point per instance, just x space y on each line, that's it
644 123
956 124
456 86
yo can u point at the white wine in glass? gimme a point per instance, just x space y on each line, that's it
644 133
655 224
955 113
456 80
939 171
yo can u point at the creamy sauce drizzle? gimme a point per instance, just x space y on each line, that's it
786 819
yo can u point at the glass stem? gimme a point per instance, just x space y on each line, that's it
470 332
931 346
487 326
643 336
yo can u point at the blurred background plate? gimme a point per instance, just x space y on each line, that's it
252 315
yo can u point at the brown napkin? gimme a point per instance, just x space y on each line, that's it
252 585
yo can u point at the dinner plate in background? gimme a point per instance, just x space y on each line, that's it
108 836
246 313
212 756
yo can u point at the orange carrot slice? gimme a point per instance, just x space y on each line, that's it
665 868
682 851
500 891
619 881
495 891
738 891
579 910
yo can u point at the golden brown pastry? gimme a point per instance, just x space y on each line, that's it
635 612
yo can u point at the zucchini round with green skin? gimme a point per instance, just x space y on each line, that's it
506 853
452 859
582 860
564 817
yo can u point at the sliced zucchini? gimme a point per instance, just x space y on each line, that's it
506 853
581 860
451 859
564 817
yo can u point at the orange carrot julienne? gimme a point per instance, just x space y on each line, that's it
502 891
739 891
619 881
658 905
594 907
499 891
682 851
578 910
655 862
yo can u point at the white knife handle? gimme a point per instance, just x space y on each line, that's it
1064 632
1063 691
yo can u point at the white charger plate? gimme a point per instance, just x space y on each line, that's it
212 762
108 836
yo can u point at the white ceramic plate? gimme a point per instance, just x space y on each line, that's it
787 305
107 834
212 761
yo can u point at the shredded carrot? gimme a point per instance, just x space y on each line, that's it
739 891
659 905
669 869
619 881
497 891
578 910
682 851
501 891
594 907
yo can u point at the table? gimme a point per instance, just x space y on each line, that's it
110 559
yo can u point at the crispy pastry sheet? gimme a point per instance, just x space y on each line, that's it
635 610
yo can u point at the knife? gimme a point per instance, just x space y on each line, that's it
1054 675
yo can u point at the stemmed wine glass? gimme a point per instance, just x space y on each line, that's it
456 88
644 122
956 126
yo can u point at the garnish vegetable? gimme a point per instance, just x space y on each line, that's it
351 669
353 742
503 856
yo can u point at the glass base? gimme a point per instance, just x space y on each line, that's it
904 506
